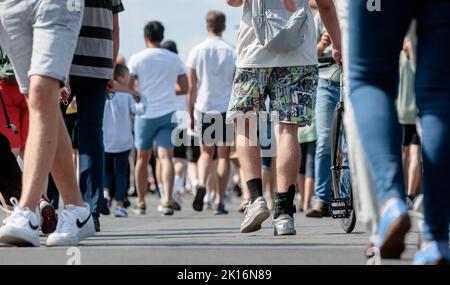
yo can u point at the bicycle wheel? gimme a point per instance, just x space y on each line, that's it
342 205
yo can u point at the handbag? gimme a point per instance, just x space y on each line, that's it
276 28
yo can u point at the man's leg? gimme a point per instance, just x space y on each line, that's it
288 164
249 154
204 164
63 171
223 171
40 151
327 99
165 156
141 175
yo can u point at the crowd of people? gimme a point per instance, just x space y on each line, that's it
253 121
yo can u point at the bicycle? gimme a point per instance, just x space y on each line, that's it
342 203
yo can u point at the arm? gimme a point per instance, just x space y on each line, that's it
192 93
116 39
329 17
235 3
116 33
182 85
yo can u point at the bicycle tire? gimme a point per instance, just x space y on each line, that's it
347 224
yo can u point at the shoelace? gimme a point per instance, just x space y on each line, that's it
14 203
64 221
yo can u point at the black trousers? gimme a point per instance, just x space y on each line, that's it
10 173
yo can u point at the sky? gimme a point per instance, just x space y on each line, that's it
184 21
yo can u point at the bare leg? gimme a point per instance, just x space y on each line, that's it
288 158
63 171
248 150
309 192
223 171
205 163
42 144
178 165
301 189
212 183
141 173
165 156
414 171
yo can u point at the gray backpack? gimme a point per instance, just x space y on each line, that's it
276 28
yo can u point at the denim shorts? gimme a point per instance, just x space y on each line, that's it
161 130
40 37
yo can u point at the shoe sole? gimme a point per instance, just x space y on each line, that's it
255 224
139 212
49 220
198 200
284 232
394 242
17 242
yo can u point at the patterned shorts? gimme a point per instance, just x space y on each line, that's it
291 90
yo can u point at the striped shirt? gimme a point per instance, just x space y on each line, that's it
95 49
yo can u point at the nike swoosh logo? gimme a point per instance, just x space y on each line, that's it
81 224
34 228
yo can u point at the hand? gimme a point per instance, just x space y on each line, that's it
290 5
65 94
325 40
337 56
110 87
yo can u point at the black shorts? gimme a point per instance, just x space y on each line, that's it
179 150
210 136
410 135
193 150
308 155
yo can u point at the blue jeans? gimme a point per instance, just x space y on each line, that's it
116 173
328 94
375 42
91 96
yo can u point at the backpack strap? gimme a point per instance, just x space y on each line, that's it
8 122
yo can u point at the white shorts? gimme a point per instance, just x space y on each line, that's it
40 37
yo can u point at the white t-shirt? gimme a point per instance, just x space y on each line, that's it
117 124
251 54
157 72
214 62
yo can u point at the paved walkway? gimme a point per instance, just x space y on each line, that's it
202 238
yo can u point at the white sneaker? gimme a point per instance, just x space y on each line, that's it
121 213
21 228
284 226
255 214
74 224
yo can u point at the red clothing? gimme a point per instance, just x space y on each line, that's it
17 109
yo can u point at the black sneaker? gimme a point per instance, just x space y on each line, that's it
198 201
176 206
220 210
126 203
104 207
96 224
